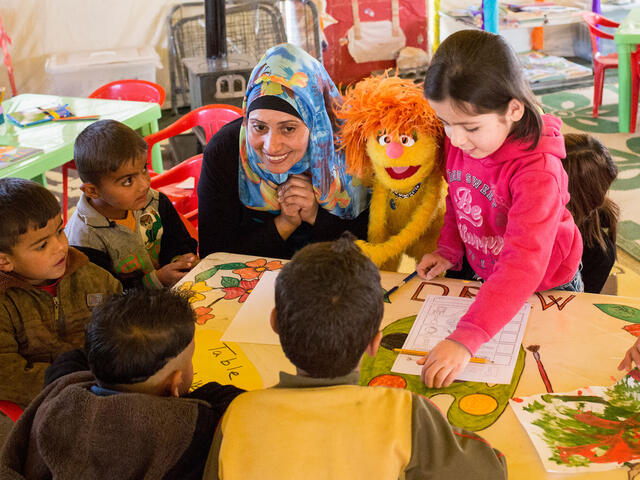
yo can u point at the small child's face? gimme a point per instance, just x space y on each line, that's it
40 254
123 190
477 135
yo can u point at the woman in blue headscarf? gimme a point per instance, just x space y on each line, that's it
272 181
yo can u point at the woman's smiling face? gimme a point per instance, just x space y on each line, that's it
279 139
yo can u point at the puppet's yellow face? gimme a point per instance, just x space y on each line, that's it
401 161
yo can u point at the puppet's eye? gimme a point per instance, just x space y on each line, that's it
406 140
384 140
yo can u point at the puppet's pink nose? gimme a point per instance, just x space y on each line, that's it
394 150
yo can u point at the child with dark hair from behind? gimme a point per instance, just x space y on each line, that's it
320 423
591 171
47 290
119 222
131 416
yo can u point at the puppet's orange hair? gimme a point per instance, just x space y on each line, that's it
379 103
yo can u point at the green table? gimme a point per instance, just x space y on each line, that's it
627 37
56 138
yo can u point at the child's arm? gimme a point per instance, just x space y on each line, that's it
442 451
218 396
20 381
432 265
175 239
171 273
450 245
533 223
64 364
632 356
443 364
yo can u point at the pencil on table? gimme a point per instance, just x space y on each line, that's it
422 354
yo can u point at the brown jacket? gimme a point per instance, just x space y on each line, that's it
36 327
70 431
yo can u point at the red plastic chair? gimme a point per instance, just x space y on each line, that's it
11 410
132 90
5 41
184 197
211 118
603 62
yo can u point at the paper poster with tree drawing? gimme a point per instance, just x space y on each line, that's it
591 429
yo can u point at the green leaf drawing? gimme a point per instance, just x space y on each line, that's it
536 405
206 274
621 312
230 282
232 266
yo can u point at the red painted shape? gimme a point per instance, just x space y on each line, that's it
388 380
554 301
615 445
633 329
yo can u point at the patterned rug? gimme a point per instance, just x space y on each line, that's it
574 107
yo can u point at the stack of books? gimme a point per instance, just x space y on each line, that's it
539 67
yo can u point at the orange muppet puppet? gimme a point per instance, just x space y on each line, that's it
392 140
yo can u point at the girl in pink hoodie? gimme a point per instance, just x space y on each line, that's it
506 204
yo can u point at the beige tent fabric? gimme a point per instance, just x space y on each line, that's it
41 28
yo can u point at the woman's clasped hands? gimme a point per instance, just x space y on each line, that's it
298 200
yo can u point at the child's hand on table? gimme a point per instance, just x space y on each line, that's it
443 364
632 356
178 268
432 265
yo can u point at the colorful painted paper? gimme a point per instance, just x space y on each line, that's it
590 429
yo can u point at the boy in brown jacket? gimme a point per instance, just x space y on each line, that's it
47 290
131 416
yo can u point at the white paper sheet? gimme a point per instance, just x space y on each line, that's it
438 318
251 323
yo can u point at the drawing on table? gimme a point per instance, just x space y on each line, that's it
621 312
591 429
438 318
476 406
214 359
534 349
233 287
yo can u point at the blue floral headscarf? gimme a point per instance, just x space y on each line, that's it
290 73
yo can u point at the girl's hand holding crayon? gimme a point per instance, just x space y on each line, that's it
432 265
443 364
632 356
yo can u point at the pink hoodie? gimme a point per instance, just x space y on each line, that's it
508 212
